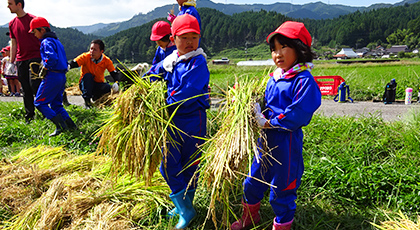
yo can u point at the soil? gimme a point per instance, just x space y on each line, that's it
388 112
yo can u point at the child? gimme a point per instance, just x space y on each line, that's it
186 7
161 32
291 97
49 98
9 71
187 76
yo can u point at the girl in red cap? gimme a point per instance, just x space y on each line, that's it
291 98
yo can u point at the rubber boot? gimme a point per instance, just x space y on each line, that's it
65 99
190 194
251 216
283 226
59 123
185 209
88 103
70 124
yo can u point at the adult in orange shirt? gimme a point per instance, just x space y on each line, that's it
93 65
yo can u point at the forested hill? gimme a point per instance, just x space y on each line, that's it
220 31
74 41
314 10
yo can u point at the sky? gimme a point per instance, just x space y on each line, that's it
67 13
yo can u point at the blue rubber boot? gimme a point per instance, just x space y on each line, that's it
185 209
190 194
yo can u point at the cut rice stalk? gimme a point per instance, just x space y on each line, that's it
228 155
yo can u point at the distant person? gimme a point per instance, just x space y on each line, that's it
49 98
9 71
186 7
161 32
92 80
24 50
291 98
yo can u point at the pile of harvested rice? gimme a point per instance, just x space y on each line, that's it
402 222
228 155
73 90
49 188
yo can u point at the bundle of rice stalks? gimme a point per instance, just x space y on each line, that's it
135 134
228 155
106 100
400 223
73 90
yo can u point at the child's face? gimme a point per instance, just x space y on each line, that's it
180 2
162 44
39 33
283 56
186 43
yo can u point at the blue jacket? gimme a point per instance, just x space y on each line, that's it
189 78
292 101
191 10
52 53
159 57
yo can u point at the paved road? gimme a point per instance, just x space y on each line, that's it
395 111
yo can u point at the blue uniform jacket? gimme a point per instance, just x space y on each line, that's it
189 78
52 53
160 55
292 101
191 10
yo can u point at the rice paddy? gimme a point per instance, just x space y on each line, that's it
360 173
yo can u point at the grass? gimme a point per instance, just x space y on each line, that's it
355 168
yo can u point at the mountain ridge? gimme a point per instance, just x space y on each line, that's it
317 10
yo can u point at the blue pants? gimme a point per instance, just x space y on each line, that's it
184 152
286 149
93 89
49 98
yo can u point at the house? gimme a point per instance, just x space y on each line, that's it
362 52
396 49
346 53
223 61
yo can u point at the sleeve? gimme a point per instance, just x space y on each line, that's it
81 59
156 69
306 100
49 54
110 66
192 83
156 58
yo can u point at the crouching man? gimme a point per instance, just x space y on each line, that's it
93 65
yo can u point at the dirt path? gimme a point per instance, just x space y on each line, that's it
395 111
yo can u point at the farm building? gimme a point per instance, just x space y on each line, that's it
346 53
397 49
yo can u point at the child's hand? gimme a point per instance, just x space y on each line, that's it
259 117
171 17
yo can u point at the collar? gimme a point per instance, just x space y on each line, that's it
300 67
97 61
171 60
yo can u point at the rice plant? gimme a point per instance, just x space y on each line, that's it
229 153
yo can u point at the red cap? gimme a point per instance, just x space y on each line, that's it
38 22
3 50
293 30
7 48
185 24
159 30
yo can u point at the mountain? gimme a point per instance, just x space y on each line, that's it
90 29
317 10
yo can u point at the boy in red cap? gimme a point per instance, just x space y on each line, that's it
49 98
291 98
9 71
161 32
187 78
